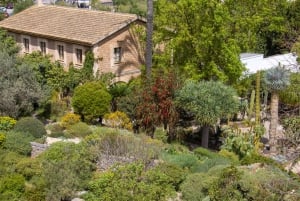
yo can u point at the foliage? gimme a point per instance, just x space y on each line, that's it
20 90
12 187
129 103
91 100
291 95
257 158
262 28
8 44
242 144
117 90
55 129
292 129
202 47
195 186
69 119
31 125
29 167
130 182
66 169
161 134
88 64
18 142
79 129
125 146
22 5
2 139
7 123
186 161
118 120
277 78
157 106
226 186
208 100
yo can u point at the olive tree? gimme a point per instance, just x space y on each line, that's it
208 101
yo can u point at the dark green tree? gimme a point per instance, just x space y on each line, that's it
208 101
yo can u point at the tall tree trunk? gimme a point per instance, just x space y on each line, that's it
274 121
149 38
205 136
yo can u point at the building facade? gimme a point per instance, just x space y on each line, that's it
68 33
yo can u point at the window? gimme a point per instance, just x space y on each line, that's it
61 55
43 47
117 55
26 45
79 56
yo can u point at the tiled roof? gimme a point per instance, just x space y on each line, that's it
66 23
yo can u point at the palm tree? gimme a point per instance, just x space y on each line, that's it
149 38
276 79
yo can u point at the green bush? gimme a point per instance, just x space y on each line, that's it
7 123
91 100
195 186
18 142
30 125
2 138
161 134
56 130
29 167
257 158
203 153
209 163
78 130
182 160
69 119
12 187
130 182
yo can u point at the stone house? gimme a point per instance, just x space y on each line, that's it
67 33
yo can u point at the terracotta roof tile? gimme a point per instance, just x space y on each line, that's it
74 24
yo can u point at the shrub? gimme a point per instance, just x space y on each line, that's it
257 158
123 148
30 125
130 182
203 153
195 186
2 138
161 134
229 155
292 129
118 120
56 130
182 160
209 163
7 123
91 100
12 187
79 129
69 119
18 142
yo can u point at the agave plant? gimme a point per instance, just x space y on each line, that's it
276 79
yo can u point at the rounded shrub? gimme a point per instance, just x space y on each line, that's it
18 142
69 119
79 129
118 120
7 123
30 125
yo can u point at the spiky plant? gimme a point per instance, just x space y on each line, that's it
276 79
